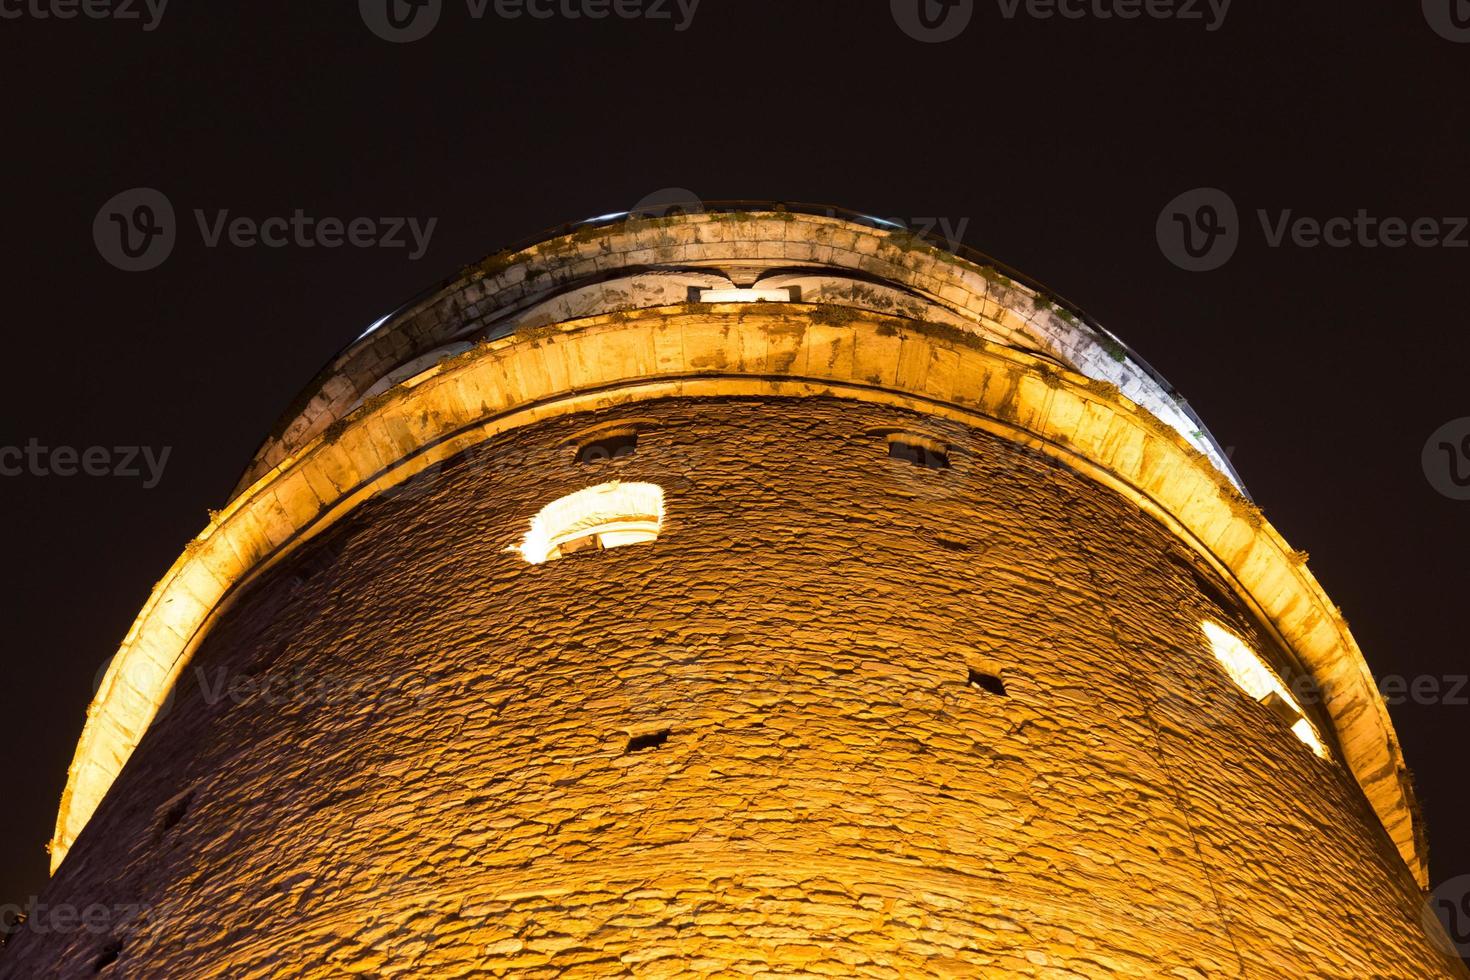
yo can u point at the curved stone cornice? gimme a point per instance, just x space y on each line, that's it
601 265
772 350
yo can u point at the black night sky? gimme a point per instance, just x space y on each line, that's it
1054 143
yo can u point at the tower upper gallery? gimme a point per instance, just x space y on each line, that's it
739 252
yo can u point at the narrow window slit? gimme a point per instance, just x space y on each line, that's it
615 446
648 740
989 683
1284 710
175 813
109 956
919 451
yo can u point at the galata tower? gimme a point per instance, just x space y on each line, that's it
750 591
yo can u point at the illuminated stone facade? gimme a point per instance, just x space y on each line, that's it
883 648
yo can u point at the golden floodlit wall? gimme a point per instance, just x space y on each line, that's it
876 637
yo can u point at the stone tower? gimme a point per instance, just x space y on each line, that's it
755 591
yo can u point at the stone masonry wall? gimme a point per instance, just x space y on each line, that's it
832 797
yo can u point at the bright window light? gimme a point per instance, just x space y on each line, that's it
745 295
1253 677
1303 730
609 515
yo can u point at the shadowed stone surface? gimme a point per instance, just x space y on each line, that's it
832 798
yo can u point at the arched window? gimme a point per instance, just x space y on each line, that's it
1252 676
609 515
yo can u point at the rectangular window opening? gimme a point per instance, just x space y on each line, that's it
590 543
1283 709
787 294
931 457
648 740
608 448
989 683
108 956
